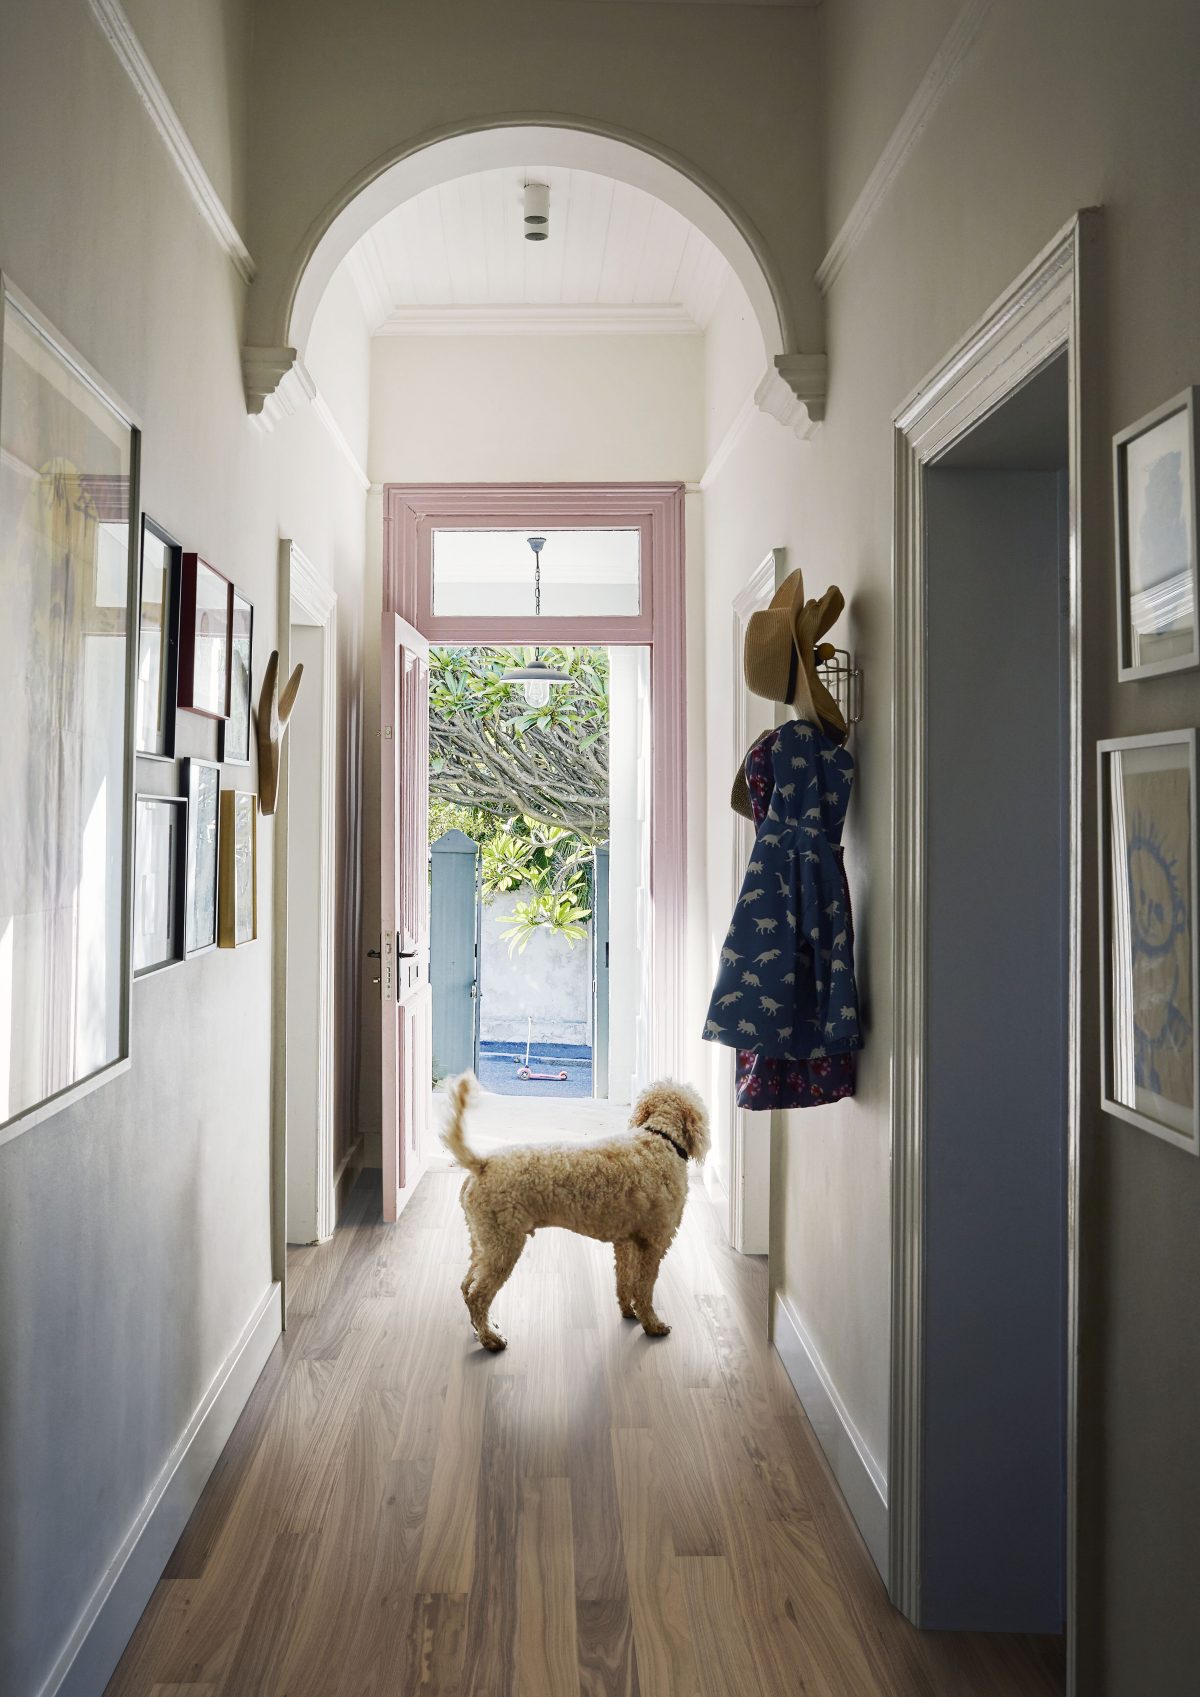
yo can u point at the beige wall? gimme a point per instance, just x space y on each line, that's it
340 91
1056 108
134 1226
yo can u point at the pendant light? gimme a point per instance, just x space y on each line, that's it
536 678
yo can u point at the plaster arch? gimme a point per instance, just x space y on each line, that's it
793 385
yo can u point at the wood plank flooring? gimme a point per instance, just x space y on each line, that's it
593 1513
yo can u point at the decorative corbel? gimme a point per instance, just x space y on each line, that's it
277 384
793 391
274 711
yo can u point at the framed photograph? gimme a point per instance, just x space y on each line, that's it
239 868
1151 1057
68 655
1155 477
158 642
205 639
235 731
202 787
159 861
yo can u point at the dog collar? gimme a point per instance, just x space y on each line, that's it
667 1138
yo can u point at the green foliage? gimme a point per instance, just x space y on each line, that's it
530 785
491 752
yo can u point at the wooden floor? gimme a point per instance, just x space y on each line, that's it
592 1512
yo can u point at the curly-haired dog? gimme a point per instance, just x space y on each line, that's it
627 1190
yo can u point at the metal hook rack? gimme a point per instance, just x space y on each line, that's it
844 681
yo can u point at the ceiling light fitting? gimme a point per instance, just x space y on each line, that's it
536 678
537 212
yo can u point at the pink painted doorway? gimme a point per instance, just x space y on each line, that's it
639 608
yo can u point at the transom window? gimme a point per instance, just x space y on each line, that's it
490 573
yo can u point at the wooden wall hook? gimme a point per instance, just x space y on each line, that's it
274 711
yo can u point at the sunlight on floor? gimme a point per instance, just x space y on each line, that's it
496 1121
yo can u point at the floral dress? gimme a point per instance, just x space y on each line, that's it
785 995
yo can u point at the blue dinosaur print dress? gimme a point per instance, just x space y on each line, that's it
785 995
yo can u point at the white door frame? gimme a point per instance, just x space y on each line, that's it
748 1216
1037 319
304 598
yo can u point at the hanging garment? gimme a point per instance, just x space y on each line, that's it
785 995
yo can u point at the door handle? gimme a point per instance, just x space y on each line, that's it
407 954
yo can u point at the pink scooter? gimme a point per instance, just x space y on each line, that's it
537 1077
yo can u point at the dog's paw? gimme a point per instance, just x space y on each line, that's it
494 1342
628 1314
656 1328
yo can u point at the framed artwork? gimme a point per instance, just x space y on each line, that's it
205 639
239 868
1151 1060
158 642
202 787
68 649
235 731
1155 477
159 879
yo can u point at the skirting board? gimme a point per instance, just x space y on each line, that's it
853 1466
90 1654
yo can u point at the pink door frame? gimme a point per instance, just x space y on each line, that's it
410 514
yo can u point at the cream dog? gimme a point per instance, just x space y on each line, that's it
627 1190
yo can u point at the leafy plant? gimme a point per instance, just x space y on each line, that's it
490 752
530 785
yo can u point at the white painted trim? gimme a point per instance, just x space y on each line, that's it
556 319
306 598
727 444
949 59
325 413
110 15
860 1478
91 1652
311 596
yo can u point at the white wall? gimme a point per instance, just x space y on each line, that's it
506 409
830 1187
135 1225
551 980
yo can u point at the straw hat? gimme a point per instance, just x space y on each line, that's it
782 652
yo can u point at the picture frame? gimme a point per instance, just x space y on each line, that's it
236 732
159 581
1150 964
160 883
202 787
1156 479
239 869
69 468
205 645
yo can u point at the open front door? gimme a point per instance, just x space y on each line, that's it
406 1004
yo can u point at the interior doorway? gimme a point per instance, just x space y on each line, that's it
306 867
988 803
998 833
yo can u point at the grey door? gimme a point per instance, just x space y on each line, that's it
454 952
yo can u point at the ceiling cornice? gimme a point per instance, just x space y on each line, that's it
534 320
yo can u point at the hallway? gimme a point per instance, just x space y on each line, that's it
590 1512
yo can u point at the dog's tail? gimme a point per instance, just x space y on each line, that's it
461 1092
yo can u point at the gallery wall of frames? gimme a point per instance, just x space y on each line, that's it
112 628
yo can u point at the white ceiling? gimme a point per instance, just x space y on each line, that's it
455 259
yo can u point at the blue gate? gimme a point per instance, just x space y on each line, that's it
454 953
